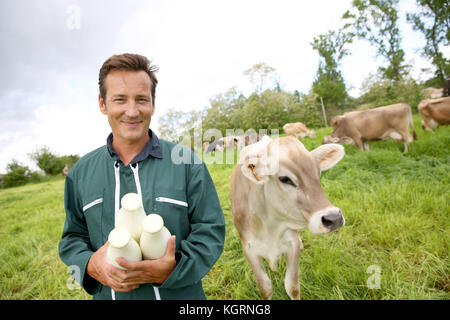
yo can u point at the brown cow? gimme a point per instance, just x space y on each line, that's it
433 93
298 129
434 112
275 191
380 123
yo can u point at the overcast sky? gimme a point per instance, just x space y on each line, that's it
52 51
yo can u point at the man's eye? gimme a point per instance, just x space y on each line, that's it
119 100
287 180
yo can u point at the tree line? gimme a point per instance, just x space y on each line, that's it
51 165
269 106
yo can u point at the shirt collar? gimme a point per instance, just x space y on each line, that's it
151 148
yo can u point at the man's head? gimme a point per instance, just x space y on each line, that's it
127 62
127 96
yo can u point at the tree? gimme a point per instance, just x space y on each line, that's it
266 111
224 111
329 82
376 22
177 126
51 163
259 73
433 21
18 174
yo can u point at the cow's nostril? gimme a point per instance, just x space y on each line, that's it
332 221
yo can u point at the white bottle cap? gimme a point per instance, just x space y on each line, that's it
119 237
131 202
153 223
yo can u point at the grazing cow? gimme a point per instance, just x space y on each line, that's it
205 146
380 123
229 141
216 145
65 170
248 139
298 129
434 112
433 93
275 191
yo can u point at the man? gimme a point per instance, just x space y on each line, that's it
135 160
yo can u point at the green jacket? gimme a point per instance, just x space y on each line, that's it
182 193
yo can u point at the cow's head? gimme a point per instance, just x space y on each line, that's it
428 122
336 139
311 133
290 175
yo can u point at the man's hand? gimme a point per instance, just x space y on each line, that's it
137 273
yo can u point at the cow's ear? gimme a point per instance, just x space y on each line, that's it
256 163
328 155
251 169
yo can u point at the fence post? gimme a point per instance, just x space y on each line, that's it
324 114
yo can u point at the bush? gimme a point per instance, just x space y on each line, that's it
18 175
379 92
50 163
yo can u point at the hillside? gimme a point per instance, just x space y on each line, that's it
397 231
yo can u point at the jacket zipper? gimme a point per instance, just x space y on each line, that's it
139 190
93 203
178 202
116 204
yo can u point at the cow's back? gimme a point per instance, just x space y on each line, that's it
374 123
437 109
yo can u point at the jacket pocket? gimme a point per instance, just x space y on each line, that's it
93 212
173 201
172 206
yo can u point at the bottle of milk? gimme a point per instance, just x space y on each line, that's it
154 237
121 244
131 215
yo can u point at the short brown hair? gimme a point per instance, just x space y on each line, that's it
128 62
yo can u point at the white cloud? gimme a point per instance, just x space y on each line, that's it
201 46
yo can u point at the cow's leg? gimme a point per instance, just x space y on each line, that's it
405 144
406 138
366 146
294 246
359 143
262 279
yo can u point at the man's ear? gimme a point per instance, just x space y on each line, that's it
328 155
102 104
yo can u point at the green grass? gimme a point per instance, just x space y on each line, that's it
397 212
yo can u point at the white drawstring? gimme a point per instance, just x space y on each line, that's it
117 204
136 180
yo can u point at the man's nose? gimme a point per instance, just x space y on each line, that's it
132 109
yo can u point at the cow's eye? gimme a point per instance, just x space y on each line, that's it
287 180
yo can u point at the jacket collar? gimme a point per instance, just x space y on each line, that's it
152 148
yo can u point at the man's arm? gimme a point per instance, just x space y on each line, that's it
75 246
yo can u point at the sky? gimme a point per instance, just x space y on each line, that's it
52 51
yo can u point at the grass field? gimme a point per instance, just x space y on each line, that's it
395 244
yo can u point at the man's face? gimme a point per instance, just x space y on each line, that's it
128 104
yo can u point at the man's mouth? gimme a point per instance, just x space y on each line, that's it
133 123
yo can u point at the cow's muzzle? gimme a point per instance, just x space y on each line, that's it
326 220
333 221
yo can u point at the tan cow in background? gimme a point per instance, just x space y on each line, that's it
380 123
275 191
434 112
298 130
433 93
